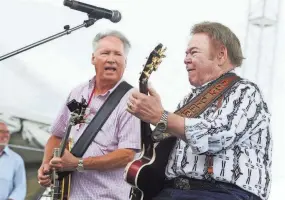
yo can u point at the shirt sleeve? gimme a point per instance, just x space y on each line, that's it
129 134
242 114
59 125
19 182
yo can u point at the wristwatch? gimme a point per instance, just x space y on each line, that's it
162 124
80 166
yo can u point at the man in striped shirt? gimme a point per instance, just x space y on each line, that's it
117 141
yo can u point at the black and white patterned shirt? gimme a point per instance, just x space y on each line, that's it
237 135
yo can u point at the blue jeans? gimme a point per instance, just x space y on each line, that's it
220 192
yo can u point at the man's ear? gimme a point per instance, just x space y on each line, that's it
222 55
93 58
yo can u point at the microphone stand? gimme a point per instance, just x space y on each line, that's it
86 23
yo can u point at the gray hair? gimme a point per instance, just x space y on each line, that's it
222 34
114 33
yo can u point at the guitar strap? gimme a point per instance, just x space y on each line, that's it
202 101
197 106
98 121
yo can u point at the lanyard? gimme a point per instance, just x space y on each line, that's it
91 96
88 104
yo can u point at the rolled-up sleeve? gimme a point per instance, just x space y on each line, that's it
241 115
129 134
59 125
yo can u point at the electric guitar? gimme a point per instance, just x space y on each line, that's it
137 171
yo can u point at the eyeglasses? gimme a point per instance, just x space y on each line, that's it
4 131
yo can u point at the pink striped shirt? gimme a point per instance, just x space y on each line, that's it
121 130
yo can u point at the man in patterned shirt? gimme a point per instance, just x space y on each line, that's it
117 141
235 133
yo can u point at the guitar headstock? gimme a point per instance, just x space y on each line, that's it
152 63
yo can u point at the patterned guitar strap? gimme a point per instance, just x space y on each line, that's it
200 103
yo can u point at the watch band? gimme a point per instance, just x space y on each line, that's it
80 166
164 117
162 124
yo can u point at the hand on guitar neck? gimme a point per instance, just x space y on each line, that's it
150 110
67 162
44 175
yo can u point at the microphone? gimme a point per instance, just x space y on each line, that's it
93 11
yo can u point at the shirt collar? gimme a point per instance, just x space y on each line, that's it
6 150
92 85
205 85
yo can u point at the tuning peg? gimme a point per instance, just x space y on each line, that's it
163 50
146 74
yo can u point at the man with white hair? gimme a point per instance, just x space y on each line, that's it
12 174
117 141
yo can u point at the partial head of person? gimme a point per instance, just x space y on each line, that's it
4 135
110 51
212 51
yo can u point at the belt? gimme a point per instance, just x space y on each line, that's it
186 183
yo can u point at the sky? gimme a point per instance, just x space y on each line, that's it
36 83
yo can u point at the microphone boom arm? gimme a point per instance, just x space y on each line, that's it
86 23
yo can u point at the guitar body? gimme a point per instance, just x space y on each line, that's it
147 173
65 185
62 191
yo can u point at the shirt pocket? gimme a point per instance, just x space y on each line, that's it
99 145
106 139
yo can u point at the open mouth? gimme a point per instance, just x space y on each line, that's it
110 69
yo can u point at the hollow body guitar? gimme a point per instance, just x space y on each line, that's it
138 172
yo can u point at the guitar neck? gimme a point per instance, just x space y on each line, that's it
145 127
64 141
